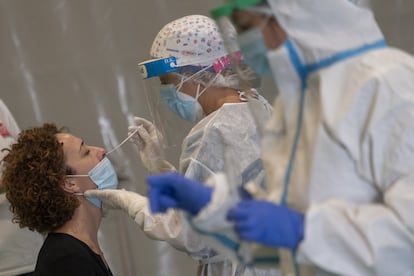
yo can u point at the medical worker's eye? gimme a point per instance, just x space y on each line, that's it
163 80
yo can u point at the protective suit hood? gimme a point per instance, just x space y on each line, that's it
353 28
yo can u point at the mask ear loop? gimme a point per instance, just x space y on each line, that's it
184 79
178 87
198 93
77 175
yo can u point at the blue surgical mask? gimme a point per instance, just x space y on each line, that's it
185 106
254 51
104 176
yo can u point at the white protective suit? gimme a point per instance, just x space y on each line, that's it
18 247
226 139
352 173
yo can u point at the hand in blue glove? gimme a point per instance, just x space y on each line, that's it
172 190
267 223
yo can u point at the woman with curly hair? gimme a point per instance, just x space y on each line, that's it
44 173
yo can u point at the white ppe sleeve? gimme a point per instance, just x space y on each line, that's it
169 227
374 236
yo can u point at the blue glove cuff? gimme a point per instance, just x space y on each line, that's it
201 200
299 221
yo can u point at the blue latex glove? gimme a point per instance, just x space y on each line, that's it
267 223
172 190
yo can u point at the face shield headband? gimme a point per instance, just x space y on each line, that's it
157 67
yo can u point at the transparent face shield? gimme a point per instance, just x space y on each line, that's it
175 90
170 128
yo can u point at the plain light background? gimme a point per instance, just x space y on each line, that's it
74 63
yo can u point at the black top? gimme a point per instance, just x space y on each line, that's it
65 255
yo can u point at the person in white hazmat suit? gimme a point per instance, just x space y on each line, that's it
199 85
18 247
338 151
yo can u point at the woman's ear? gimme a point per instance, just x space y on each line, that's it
70 185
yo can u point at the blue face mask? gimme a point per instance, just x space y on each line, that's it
254 51
185 106
104 176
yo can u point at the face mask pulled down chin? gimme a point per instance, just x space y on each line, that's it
104 176
254 51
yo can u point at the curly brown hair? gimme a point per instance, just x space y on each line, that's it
34 171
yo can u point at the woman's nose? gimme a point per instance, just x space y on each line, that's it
101 153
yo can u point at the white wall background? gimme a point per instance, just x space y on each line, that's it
74 63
